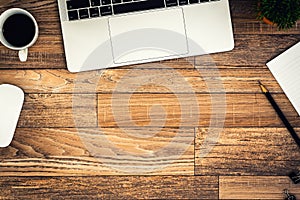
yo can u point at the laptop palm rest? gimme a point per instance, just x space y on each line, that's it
148 36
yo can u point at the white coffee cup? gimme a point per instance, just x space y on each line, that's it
23 50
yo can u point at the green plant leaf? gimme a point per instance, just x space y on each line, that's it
284 13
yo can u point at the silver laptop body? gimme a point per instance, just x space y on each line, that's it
100 34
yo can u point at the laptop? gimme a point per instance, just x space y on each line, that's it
101 34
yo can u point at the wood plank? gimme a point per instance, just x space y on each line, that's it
247 151
242 110
75 152
44 142
123 187
89 166
36 60
258 27
170 110
57 110
47 52
256 187
233 80
253 50
244 9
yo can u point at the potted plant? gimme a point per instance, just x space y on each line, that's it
283 13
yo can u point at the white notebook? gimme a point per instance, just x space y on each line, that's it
286 69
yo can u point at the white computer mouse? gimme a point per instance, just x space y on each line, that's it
11 103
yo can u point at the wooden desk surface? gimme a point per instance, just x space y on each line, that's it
47 158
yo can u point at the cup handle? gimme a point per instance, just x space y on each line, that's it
23 55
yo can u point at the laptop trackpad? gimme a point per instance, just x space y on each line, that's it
146 36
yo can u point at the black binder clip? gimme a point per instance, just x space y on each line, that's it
295 177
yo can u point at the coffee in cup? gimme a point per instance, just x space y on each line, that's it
19 30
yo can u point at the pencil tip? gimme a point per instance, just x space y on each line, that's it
259 82
263 88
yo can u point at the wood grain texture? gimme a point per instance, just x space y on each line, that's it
248 151
242 110
49 158
256 187
233 80
74 152
57 110
89 166
153 110
112 187
253 50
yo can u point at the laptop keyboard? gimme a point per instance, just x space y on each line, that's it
83 9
